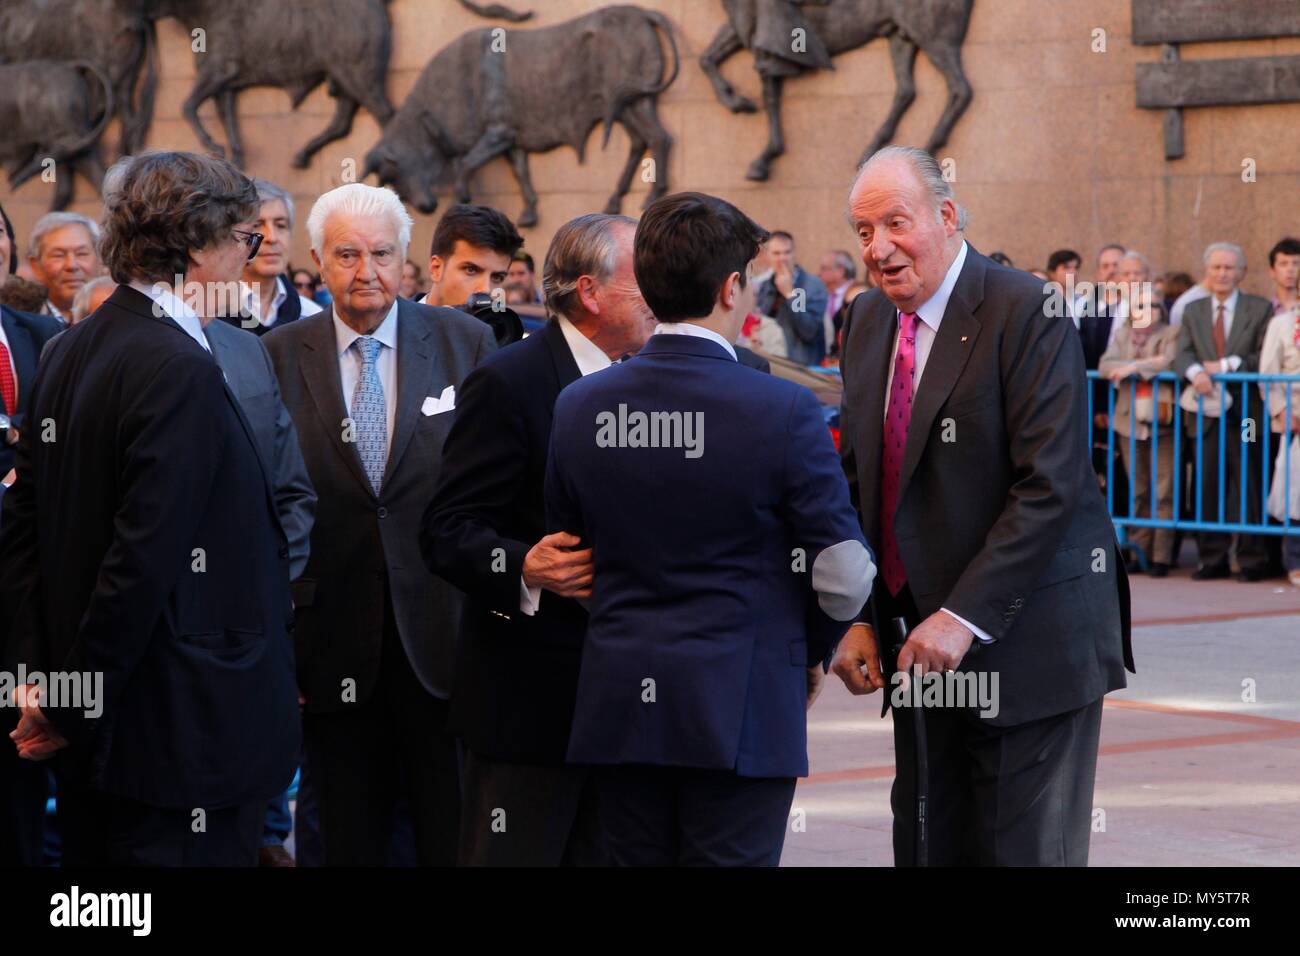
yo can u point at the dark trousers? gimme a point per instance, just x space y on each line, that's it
998 796
24 786
364 758
100 829
1212 546
681 816
517 814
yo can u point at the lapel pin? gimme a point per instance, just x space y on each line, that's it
965 337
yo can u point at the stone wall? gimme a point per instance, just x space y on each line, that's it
1052 152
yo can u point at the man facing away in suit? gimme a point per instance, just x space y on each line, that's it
965 441
371 385
1224 332
522 634
143 552
724 550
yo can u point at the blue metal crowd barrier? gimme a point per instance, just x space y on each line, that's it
1245 388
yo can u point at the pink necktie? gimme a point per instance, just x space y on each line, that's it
895 441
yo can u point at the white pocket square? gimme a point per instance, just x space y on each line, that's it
443 403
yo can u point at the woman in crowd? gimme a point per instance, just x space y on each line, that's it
1281 356
1143 346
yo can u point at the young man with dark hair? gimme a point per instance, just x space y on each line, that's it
1284 267
724 551
1063 267
472 247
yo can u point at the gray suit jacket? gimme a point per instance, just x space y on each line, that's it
251 377
1196 344
365 564
998 517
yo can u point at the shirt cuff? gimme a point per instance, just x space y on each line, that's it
1194 370
529 598
982 636
1234 362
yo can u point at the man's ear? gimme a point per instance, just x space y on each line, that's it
316 259
586 290
730 291
435 268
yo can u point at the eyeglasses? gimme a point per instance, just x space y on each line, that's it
251 239
303 285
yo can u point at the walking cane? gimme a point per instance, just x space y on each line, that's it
921 843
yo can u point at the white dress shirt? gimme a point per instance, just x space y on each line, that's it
589 358
1233 362
586 353
166 303
252 302
698 331
385 364
930 314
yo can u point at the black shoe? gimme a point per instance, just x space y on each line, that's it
1158 570
1253 574
1212 573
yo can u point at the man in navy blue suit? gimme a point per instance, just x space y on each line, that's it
725 550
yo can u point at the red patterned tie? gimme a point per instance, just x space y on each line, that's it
895 442
8 386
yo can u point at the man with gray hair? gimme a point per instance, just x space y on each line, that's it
838 271
142 548
964 437
371 385
1224 332
269 299
485 531
63 254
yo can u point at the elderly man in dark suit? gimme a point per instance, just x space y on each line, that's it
1224 332
371 384
485 532
142 544
964 437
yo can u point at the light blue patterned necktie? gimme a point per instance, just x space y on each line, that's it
370 413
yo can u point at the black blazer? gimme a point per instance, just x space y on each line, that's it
141 541
516 675
1002 523
365 552
27 335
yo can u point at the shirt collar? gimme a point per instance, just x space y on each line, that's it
252 302
175 308
931 311
386 334
699 331
54 310
1229 304
586 353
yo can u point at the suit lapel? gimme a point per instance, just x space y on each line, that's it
871 328
1238 342
952 348
319 365
415 380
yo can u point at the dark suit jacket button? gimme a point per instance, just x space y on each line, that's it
382 512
